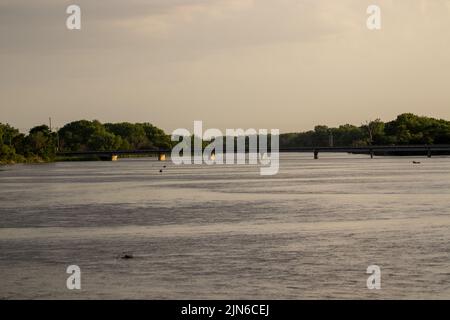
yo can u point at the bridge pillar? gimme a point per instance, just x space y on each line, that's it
371 153
162 157
316 154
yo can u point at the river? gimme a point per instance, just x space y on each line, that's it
225 232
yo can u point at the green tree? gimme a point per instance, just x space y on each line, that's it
156 136
104 141
133 135
41 142
83 135
8 135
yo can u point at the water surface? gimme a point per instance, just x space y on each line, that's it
225 232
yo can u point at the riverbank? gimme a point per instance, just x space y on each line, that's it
33 160
36 160
404 153
22 160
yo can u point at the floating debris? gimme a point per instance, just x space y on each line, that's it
126 256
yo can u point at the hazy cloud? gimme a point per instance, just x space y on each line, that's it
250 63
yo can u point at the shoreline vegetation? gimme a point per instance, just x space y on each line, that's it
41 144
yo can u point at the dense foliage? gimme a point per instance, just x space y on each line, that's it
38 145
41 144
406 129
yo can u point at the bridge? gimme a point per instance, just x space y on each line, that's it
113 154
426 150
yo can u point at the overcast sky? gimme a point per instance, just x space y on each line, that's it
286 64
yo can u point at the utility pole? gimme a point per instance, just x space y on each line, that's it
369 129
50 123
57 138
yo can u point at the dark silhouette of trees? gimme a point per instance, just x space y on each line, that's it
41 144
406 129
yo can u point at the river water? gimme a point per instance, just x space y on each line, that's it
225 232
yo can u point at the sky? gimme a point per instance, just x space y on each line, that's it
263 64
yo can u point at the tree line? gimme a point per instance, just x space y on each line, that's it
406 129
42 144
